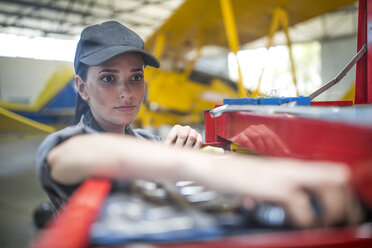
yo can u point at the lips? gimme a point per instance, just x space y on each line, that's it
125 108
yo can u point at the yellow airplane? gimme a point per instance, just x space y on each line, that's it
177 93
52 109
173 96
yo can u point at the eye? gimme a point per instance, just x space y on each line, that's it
108 78
137 77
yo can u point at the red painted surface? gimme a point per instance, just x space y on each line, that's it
308 139
305 138
71 227
369 50
363 93
349 237
332 103
209 123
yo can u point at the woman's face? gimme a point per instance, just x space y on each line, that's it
115 90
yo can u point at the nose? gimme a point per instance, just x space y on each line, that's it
125 90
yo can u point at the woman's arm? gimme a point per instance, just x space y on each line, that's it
282 181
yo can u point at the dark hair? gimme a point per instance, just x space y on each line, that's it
81 105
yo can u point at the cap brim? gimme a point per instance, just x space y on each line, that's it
108 53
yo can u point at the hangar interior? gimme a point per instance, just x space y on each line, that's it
322 45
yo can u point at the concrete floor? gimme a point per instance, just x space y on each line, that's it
20 192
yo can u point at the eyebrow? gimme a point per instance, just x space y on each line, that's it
108 70
116 71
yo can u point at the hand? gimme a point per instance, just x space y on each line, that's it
336 200
293 184
183 136
261 139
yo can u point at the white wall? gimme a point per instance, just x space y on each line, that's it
216 65
335 54
21 79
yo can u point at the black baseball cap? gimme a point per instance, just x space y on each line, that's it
101 42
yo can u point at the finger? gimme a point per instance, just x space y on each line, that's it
299 210
333 205
331 193
242 140
256 139
249 144
172 135
198 142
191 139
267 137
272 140
340 206
182 135
280 146
354 210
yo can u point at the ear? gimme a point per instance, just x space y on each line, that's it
81 88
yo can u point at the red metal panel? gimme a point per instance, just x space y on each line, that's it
209 123
362 81
369 50
71 228
349 237
304 138
332 103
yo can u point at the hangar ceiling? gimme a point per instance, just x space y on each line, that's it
339 24
66 18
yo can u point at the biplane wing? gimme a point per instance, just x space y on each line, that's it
53 107
15 125
53 87
225 23
201 23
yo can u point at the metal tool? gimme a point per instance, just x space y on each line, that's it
342 74
267 109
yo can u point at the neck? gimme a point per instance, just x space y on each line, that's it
102 125
119 129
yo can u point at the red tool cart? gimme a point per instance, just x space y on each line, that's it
312 135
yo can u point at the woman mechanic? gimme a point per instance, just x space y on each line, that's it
109 64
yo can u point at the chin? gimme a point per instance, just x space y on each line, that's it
126 121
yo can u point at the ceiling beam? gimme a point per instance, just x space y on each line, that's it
55 21
63 16
48 7
43 30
